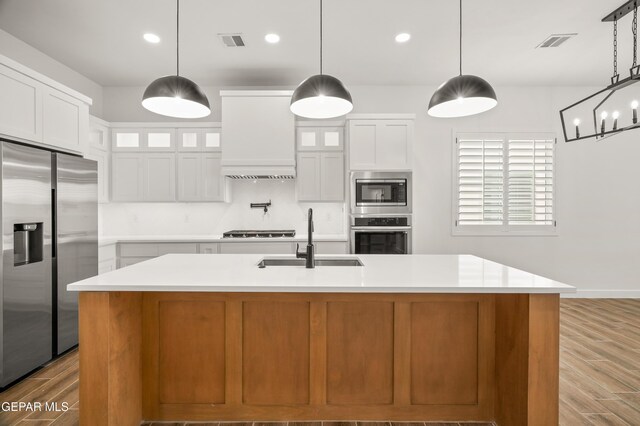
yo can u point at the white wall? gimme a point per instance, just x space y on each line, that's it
29 56
597 247
216 218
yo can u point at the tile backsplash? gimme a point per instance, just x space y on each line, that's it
215 218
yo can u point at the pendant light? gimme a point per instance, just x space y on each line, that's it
321 95
174 95
462 95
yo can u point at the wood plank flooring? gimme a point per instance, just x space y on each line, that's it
599 374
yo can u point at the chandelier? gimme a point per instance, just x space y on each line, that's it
611 110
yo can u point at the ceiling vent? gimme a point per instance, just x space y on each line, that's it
232 40
555 40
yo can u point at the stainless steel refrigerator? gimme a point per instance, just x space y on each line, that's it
49 223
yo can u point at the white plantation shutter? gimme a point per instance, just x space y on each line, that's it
530 189
503 183
480 180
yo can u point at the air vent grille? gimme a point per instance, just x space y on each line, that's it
555 40
232 40
254 177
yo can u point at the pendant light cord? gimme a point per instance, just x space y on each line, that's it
320 37
460 37
178 37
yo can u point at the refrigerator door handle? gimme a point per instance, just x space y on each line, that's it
54 223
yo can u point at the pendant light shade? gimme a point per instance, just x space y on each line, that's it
174 95
321 96
462 96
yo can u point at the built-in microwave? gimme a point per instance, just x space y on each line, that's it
380 192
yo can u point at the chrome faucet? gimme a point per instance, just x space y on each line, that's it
310 254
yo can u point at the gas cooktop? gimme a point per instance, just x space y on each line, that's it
277 233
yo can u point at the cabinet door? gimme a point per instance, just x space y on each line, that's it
159 140
394 144
213 188
362 144
189 140
332 138
212 139
65 121
308 176
159 183
20 112
308 138
126 139
332 176
126 177
102 158
190 177
98 135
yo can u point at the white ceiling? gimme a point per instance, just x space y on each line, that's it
102 39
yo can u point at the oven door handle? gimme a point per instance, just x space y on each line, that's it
381 228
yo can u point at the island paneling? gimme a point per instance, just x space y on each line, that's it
185 356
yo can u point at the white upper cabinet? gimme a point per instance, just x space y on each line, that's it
65 121
320 138
143 177
99 135
198 140
20 112
34 108
380 144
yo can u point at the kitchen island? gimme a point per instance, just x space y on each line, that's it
417 337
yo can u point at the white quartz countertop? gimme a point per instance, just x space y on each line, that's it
190 238
380 274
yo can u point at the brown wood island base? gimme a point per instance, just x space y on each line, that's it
163 356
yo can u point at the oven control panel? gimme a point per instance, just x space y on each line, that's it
381 221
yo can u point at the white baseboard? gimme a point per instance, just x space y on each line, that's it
603 294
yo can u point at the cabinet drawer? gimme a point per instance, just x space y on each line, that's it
257 248
209 248
177 248
138 249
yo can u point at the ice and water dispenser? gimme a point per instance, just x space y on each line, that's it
27 243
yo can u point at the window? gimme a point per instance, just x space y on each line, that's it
504 184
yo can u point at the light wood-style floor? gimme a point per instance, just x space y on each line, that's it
599 373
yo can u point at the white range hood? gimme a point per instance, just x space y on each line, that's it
258 130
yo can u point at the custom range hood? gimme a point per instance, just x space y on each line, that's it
258 130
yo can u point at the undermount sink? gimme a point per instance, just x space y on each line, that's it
320 261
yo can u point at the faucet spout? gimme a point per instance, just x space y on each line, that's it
310 253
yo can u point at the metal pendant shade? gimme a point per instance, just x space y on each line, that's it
174 95
462 95
322 95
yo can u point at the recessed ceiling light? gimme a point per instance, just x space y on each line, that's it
403 37
272 38
151 38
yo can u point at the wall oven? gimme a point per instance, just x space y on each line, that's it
381 234
380 192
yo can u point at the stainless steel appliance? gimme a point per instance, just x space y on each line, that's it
49 222
381 192
239 233
381 234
